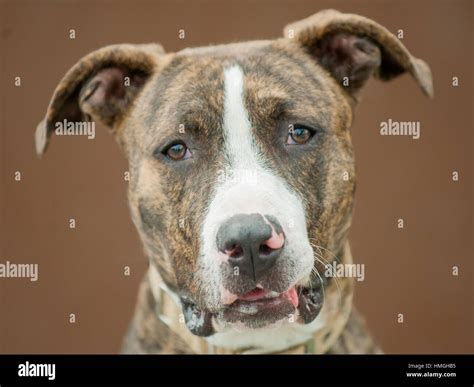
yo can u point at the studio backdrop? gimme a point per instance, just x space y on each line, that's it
412 226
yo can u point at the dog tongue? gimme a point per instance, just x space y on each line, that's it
293 296
259 293
253 295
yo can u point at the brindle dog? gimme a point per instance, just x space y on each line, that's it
241 180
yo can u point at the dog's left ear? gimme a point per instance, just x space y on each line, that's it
352 48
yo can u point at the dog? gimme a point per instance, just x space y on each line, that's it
242 180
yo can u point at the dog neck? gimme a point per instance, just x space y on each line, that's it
316 337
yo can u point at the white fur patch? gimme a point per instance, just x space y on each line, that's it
240 145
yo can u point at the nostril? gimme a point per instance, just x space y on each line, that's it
264 249
234 251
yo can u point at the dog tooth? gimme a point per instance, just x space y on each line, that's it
272 294
248 309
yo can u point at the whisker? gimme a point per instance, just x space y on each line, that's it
322 283
323 248
320 259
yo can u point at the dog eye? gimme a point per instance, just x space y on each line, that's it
299 134
177 151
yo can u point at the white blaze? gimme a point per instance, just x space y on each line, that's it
237 128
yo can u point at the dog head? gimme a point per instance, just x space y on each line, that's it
240 158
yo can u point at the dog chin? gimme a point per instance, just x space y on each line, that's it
248 323
249 315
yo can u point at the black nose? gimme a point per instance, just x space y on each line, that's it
251 242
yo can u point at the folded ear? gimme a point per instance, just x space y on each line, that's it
100 86
352 48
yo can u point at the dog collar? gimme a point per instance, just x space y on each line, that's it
168 310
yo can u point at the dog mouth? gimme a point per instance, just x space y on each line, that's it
261 307
258 308
260 299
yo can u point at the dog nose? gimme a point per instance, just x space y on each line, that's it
251 242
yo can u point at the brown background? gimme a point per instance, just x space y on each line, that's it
81 271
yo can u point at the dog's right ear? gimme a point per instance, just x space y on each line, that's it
101 86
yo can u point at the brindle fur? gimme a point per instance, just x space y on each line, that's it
283 82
